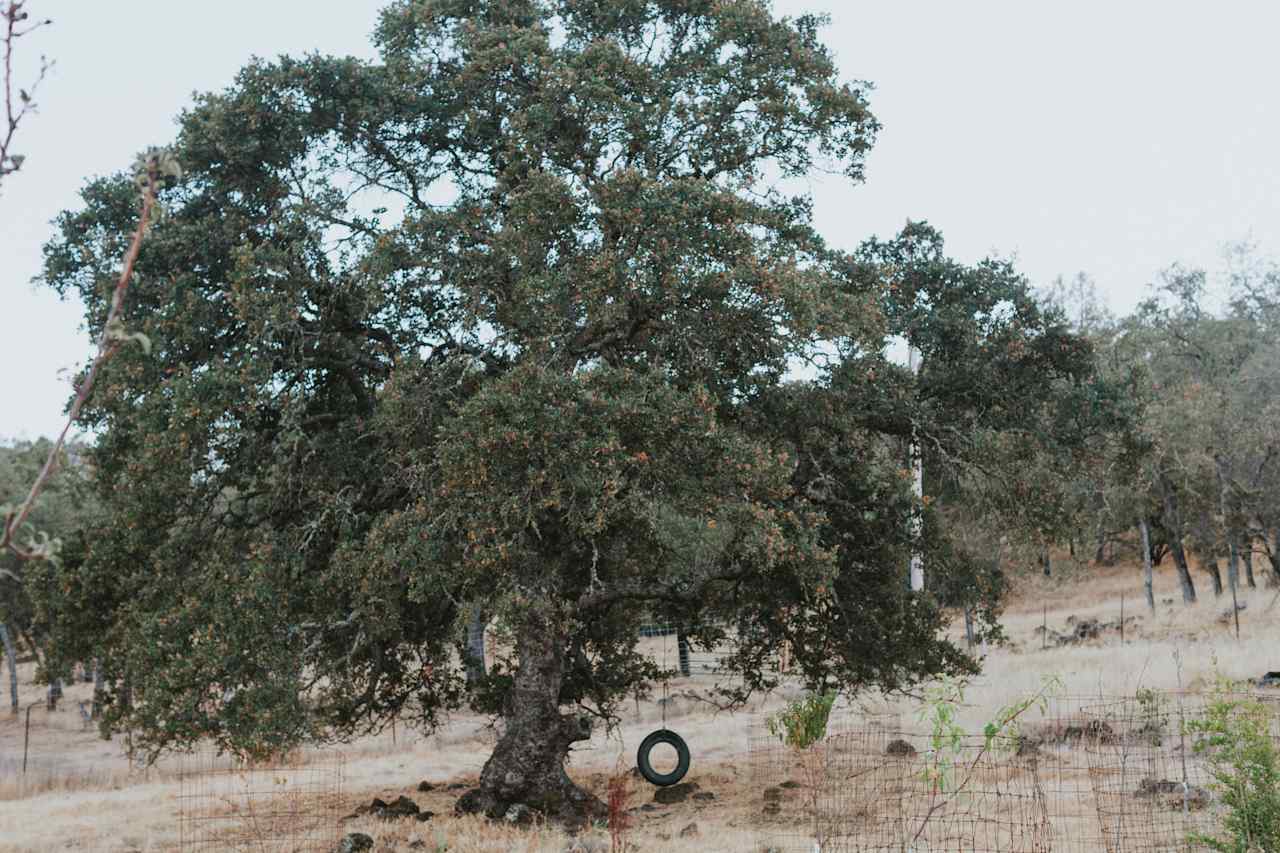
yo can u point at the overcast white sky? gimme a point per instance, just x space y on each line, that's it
1108 137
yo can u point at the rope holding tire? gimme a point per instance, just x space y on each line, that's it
670 738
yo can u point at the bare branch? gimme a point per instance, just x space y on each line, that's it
14 17
108 345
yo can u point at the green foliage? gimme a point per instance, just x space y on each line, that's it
1153 709
549 375
804 721
948 738
64 510
1235 736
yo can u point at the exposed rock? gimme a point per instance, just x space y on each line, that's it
356 842
519 814
674 793
1098 731
1171 796
772 795
1083 630
703 796
425 787
690 831
1152 787
1027 745
1227 615
900 748
398 809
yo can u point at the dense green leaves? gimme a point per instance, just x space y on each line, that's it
505 319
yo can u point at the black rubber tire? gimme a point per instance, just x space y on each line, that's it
667 736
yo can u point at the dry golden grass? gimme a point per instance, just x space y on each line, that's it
81 794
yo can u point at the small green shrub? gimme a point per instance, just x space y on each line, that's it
1234 736
1154 714
804 721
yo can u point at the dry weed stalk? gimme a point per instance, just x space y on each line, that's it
619 796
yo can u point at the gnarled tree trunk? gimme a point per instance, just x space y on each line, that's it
527 765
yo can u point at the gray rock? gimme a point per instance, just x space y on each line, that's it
519 814
356 842
899 747
674 793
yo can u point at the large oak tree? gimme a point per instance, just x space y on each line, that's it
507 318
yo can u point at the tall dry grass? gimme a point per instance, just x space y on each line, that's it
85 796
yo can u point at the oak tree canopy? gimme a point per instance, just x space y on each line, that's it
529 313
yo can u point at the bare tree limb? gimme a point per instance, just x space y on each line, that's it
108 345
14 17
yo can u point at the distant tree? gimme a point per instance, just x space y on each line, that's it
1080 304
504 322
67 506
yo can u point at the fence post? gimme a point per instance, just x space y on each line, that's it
26 738
682 648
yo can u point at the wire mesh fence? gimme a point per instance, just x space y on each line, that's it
279 806
1117 775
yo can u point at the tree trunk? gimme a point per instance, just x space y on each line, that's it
53 694
1233 564
968 627
1046 561
12 657
475 646
1215 574
1147 579
1271 547
98 688
1173 524
527 765
1100 551
1246 553
682 652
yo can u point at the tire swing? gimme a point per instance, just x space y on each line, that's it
661 736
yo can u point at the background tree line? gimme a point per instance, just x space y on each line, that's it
1194 473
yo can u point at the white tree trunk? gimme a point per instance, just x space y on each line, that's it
475 646
917 471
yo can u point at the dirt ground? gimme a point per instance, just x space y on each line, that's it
80 793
